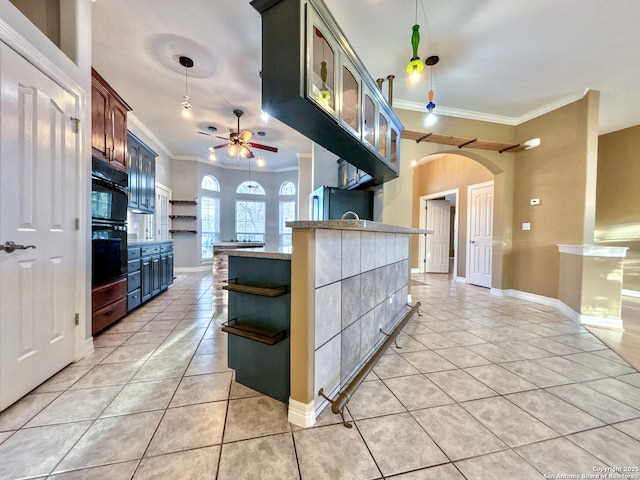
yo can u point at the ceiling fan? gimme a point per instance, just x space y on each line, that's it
238 142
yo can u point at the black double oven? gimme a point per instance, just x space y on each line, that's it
109 200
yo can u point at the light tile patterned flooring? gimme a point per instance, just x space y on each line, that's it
481 388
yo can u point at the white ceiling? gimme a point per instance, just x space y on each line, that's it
501 60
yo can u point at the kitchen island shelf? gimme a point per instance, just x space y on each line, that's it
255 289
250 332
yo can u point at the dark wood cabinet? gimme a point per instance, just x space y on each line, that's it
142 175
108 123
108 304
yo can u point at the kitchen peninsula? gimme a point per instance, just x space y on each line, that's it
318 310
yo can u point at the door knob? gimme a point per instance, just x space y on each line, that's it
10 247
473 241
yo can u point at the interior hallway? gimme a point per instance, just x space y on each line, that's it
482 387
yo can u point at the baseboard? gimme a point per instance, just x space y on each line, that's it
203 268
415 270
630 293
302 414
87 348
563 307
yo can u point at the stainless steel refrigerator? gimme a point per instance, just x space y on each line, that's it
330 203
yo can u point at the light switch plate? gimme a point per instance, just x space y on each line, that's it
526 226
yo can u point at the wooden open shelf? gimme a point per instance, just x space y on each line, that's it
186 217
183 202
255 290
183 231
257 334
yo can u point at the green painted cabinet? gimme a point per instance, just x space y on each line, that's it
142 175
150 271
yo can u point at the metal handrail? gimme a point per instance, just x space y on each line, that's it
338 404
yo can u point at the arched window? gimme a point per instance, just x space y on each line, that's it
250 188
210 215
287 212
287 188
209 182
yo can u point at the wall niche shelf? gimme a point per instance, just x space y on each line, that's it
184 217
250 332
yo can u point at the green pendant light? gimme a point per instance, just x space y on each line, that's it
415 66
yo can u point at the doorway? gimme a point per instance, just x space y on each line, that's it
438 252
39 278
480 233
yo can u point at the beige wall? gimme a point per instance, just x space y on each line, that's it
618 198
558 173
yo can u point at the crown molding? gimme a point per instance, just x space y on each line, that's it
485 117
141 126
189 158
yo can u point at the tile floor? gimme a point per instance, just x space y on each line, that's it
481 388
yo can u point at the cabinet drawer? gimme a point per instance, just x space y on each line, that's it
106 294
133 266
134 282
147 251
166 247
108 314
134 253
134 299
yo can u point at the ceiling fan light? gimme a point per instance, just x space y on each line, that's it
232 150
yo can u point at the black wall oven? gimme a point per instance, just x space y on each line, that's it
109 199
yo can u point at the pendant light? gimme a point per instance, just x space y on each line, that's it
431 117
212 150
187 63
415 65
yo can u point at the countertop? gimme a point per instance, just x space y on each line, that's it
231 245
282 253
362 225
134 243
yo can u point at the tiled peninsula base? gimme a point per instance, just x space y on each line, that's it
350 280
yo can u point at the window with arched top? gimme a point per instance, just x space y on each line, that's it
209 182
287 188
250 188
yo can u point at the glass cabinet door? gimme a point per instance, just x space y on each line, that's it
323 71
382 135
369 127
393 144
350 99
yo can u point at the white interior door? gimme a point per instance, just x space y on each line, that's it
480 234
437 244
38 162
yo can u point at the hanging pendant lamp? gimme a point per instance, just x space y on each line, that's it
187 63
415 66
431 117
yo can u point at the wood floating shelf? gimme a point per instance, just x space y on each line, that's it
186 217
257 334
183 231
255 290
183 202
462 142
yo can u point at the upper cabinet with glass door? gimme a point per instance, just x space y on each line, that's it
313 81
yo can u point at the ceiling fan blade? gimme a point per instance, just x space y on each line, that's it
262 147
245 135
205 133
226 139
